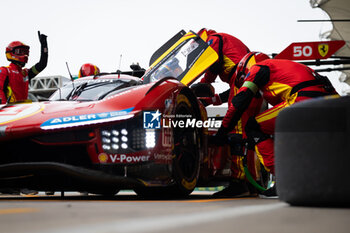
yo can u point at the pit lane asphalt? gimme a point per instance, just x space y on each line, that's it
199 213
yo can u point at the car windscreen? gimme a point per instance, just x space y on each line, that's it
89 89
177 63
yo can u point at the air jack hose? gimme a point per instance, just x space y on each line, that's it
252 181
247 172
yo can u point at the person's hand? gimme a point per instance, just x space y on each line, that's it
206 101
42 39
220 138
215 100
217 140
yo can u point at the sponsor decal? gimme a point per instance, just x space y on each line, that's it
123 158
167 137
151 119
163 157
25 76
190 49
16 112
103 157
323 49
85 119
168 103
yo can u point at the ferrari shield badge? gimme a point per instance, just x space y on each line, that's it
323 49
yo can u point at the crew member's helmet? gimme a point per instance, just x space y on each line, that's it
87 70
17 52
245 64
204 33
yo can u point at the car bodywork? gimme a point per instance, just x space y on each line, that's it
104 133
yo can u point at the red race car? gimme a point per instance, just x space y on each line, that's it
108 132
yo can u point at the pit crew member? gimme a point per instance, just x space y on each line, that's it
88 69
230 50
14 79
282 83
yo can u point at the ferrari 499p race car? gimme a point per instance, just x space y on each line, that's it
108 132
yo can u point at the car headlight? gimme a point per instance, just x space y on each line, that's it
150 139
118 139
113 140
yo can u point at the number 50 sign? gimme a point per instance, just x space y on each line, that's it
311 50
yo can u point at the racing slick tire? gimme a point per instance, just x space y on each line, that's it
187 143
186 160
312 152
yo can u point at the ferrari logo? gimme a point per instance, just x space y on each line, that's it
323 49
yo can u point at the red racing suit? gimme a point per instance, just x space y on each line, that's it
230 50
14 81
237 156
282 83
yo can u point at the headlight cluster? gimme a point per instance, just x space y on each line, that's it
123 140
150 139
113 140
138 136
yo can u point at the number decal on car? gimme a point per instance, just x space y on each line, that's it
16 112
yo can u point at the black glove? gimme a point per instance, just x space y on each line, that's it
40 66
220 138
43 40
216 140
